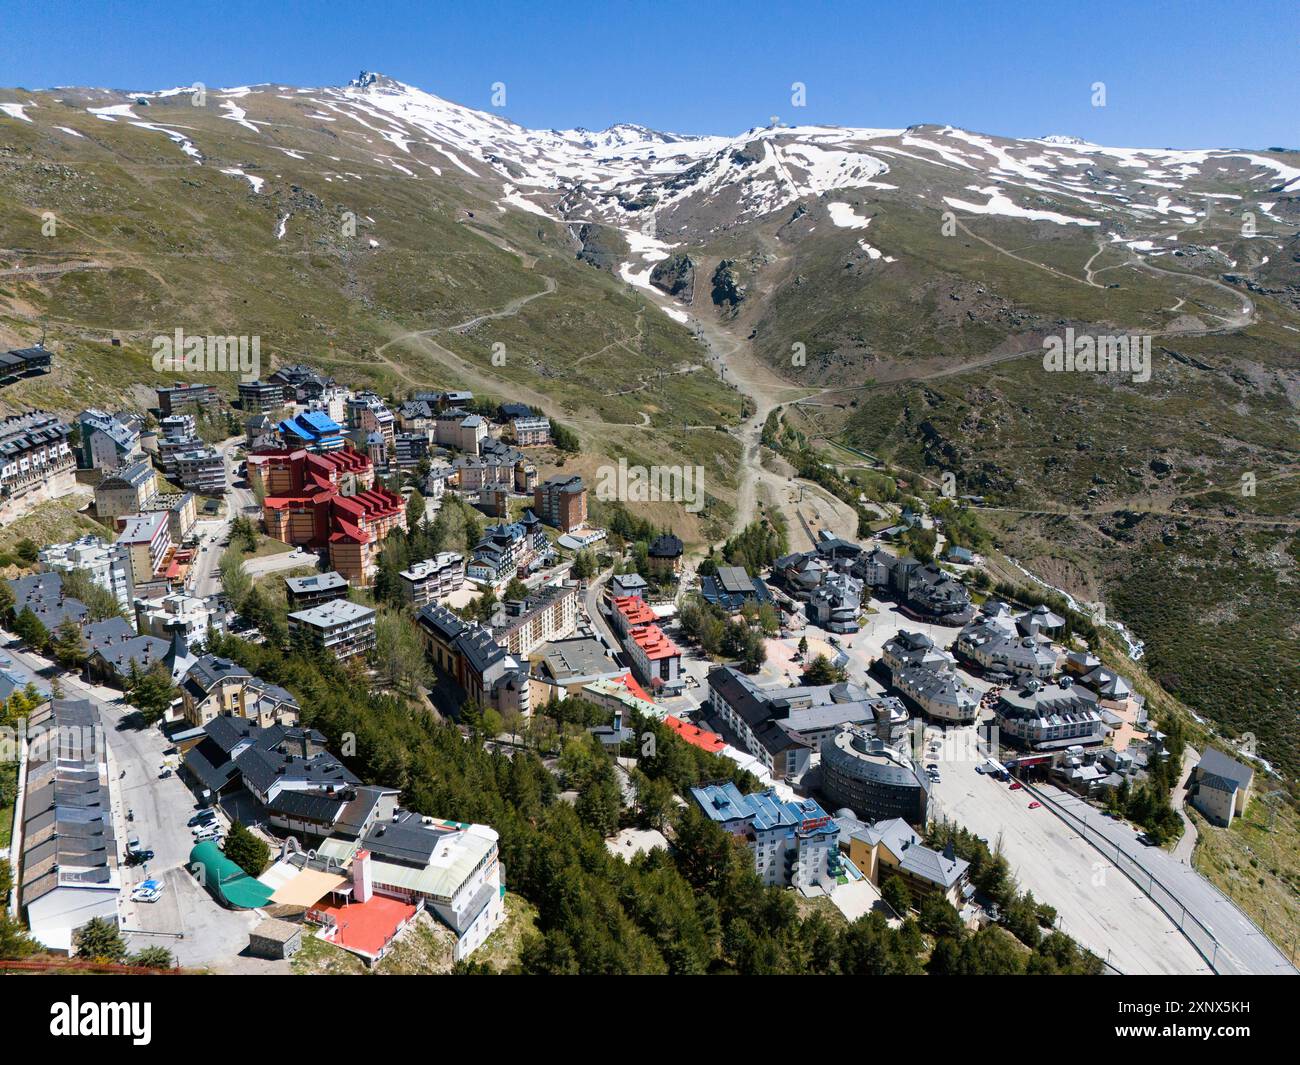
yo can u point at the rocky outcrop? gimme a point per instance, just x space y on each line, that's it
750 154
675 276
728 292
598 246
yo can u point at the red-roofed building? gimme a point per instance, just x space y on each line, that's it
631 611
696 736
656 660
629 682
327 500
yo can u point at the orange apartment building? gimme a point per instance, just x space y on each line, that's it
327 501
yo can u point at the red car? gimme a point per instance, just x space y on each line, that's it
1035 805
1016 785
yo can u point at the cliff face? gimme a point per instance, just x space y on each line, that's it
675 276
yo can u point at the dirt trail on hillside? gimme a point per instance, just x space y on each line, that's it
510 309
804 505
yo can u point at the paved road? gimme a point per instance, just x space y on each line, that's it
1097 904
591 599
1186 845
1238 946
204 579
186 920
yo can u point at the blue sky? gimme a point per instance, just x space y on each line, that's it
1179 74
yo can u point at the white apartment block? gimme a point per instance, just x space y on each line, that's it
107 565
341 627
433 579
146 539
193 616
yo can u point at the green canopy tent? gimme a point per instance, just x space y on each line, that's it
229 884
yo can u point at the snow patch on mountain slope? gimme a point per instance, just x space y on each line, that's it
649 250
15 110
514 199
874 253
843 215
252 179
999 203
235 113
115 111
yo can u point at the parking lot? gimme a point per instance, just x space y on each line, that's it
185 919
1097 904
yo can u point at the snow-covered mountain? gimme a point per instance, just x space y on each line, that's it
628 171
665 189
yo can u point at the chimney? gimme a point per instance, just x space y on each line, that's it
362 886
882 721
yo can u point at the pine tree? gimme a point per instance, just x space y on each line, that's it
100 939
415 510
152 958
68 646
246 850
152 693
29 629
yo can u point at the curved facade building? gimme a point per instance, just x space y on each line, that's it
874 780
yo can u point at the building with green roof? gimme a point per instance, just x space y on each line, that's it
229 884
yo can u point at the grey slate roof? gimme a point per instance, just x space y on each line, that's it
896 834
1215 763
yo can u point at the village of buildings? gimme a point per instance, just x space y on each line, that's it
941 705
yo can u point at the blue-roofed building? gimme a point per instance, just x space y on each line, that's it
17 678
795 843
313 430
42 594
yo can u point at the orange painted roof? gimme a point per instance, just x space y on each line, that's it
651 640
629 682
368 926
634 608
696 736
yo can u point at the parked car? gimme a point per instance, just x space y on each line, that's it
203 817
139 857
149 891
1016 785
165 773
1035 805
208 832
